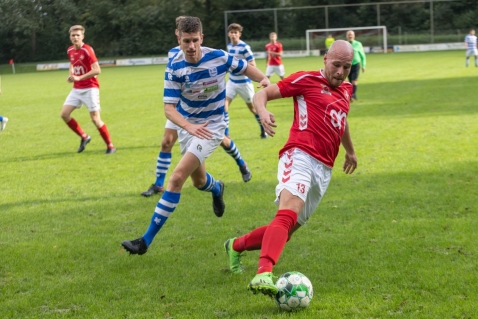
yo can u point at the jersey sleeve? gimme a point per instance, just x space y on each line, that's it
235 65
292 85
172 87
249 56
91 54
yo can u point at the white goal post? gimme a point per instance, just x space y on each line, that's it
360 33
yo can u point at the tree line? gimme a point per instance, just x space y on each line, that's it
37 30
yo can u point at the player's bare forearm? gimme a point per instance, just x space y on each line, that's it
256 75
350 163
259 101
198 130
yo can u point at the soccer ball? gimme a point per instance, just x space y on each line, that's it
295 291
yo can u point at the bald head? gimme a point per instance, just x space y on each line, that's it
338 62
341 47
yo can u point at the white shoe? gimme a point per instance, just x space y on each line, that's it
3 123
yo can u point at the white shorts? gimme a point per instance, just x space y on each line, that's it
245 91
88 97
170 125
305 177
201 148
278 69
471 52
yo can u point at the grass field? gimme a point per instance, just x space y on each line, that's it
397 239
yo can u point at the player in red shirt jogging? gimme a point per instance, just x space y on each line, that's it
274 57
84 68
321 104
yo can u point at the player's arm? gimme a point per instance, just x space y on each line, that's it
259 101
198 130
350 163
256 75
363 59
95 70
252 62
70 74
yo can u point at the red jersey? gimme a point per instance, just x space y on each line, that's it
81 59
320 113
274 59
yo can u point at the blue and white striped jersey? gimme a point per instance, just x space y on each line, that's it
172 52
200 88
470 42
241 51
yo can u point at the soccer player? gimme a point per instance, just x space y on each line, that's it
470 42
170 137
195 78
359 60
328 42
321 104
240 84
3 122
84 69
274 57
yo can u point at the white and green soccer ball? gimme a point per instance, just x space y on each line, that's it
295 291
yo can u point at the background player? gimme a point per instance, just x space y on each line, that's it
239 84
321 103
359 60
274 57
170 137
3 122
470 42
195 78
84 68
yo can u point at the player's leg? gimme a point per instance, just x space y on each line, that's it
103 130
353 77
3 122
281 71
91 100
230 147
166 205
295 174
73 102
230 95
467 58
269 71
204 181
226 115
476 57
164 159
246 92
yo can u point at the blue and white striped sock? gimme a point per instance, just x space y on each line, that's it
258 119
164 208
226 119
234 153
162 166
211 185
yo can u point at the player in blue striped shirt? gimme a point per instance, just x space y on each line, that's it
195 77
240 84
170 137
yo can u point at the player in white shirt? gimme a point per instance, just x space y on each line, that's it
195 77
239 84
470 42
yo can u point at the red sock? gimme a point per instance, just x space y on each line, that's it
250 241
106 135
75 127
275 238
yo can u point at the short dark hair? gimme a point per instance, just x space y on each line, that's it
235 27
190 25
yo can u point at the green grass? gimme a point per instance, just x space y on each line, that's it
397 239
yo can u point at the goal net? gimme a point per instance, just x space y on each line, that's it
373 39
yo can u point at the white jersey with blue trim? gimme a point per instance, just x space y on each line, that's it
470 42
241 51
201 87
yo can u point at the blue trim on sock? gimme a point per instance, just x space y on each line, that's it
164 165
166 205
